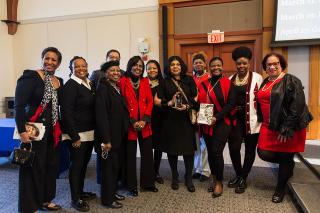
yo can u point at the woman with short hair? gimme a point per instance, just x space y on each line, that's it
37 100
284 114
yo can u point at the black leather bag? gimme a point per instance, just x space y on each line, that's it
23 156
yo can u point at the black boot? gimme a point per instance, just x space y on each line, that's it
278 196
188 182
241 187
233 183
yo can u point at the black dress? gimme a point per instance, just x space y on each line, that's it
37 184
177 132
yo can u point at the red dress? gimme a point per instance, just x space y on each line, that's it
268 138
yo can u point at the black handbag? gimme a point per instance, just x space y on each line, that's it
23 156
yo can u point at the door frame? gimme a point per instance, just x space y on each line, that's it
254 36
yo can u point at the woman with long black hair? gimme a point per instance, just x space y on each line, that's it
137 93
155 77
177 131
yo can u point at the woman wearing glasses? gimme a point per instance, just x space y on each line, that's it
284 114
112 120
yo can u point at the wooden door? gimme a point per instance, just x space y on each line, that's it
187 52
223 50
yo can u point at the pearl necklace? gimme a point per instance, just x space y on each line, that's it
273 82
242 82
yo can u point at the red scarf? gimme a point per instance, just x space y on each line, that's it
56 128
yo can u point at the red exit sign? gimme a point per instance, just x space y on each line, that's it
215 37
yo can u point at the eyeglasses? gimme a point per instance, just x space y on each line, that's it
275 64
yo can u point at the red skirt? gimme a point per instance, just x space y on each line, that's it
268 141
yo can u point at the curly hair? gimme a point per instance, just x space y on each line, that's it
282 60
240 52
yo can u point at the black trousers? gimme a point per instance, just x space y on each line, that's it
236 137
188 164
215 147
146 170
286 165
109 175
80 158
37 184
157 155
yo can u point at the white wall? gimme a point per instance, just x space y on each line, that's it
298 65
87 37
39 9
7 74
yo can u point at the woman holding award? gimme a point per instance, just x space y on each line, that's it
216 91
37 100
177 95
246 128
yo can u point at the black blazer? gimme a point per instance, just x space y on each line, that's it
112 116
28 96
77 109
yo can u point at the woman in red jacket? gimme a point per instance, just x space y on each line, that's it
137 92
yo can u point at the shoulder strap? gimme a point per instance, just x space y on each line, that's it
180 89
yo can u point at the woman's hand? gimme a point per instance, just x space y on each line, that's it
139 125
76 144
214 120
182 108
24 137
106 147
172 102
282 139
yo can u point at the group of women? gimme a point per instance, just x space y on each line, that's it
155 111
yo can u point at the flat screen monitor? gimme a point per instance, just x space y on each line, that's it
297 22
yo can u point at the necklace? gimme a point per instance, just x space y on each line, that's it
135 85
115 87
242 82
153 83
208 92
273 82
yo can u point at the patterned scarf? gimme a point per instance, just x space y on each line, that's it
50 94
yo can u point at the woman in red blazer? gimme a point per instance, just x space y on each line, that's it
137 92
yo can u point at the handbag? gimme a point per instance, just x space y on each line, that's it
23 156
192 112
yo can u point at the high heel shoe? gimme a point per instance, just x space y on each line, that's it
215 193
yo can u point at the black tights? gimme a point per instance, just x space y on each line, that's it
157 155
286 165
237 135
188 164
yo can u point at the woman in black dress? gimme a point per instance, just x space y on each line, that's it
177 131
77 109
112 120
155 77
36 100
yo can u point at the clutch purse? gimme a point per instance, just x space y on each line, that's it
23 156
